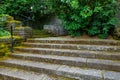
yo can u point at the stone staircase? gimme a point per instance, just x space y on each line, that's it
63 59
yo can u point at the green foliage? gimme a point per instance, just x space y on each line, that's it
95 17
2 22
4 33
4 50
33 8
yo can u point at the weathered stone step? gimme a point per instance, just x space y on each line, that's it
74 46
73 53
75 41
15 22
62 70
16 74
72 61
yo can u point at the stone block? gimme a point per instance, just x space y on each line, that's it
24 32
111 75
56 30
55 26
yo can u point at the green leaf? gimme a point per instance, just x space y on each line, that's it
98 9
86 12
74 4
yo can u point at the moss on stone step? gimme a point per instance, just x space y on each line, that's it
41 33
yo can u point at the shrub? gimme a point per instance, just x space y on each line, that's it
4 33
2 23
95 17
23 8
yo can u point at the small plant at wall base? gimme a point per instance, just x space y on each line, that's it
95 17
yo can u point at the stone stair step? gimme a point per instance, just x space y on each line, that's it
16 74
72 61
71 58
15 22
75 41
74 46
62 70
73 53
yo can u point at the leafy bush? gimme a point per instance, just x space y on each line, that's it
2 23
4 33
27 8
95 17
4 50
2 20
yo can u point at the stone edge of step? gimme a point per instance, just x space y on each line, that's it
73 53
72 61
87 74
73 46
8 73
59 40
